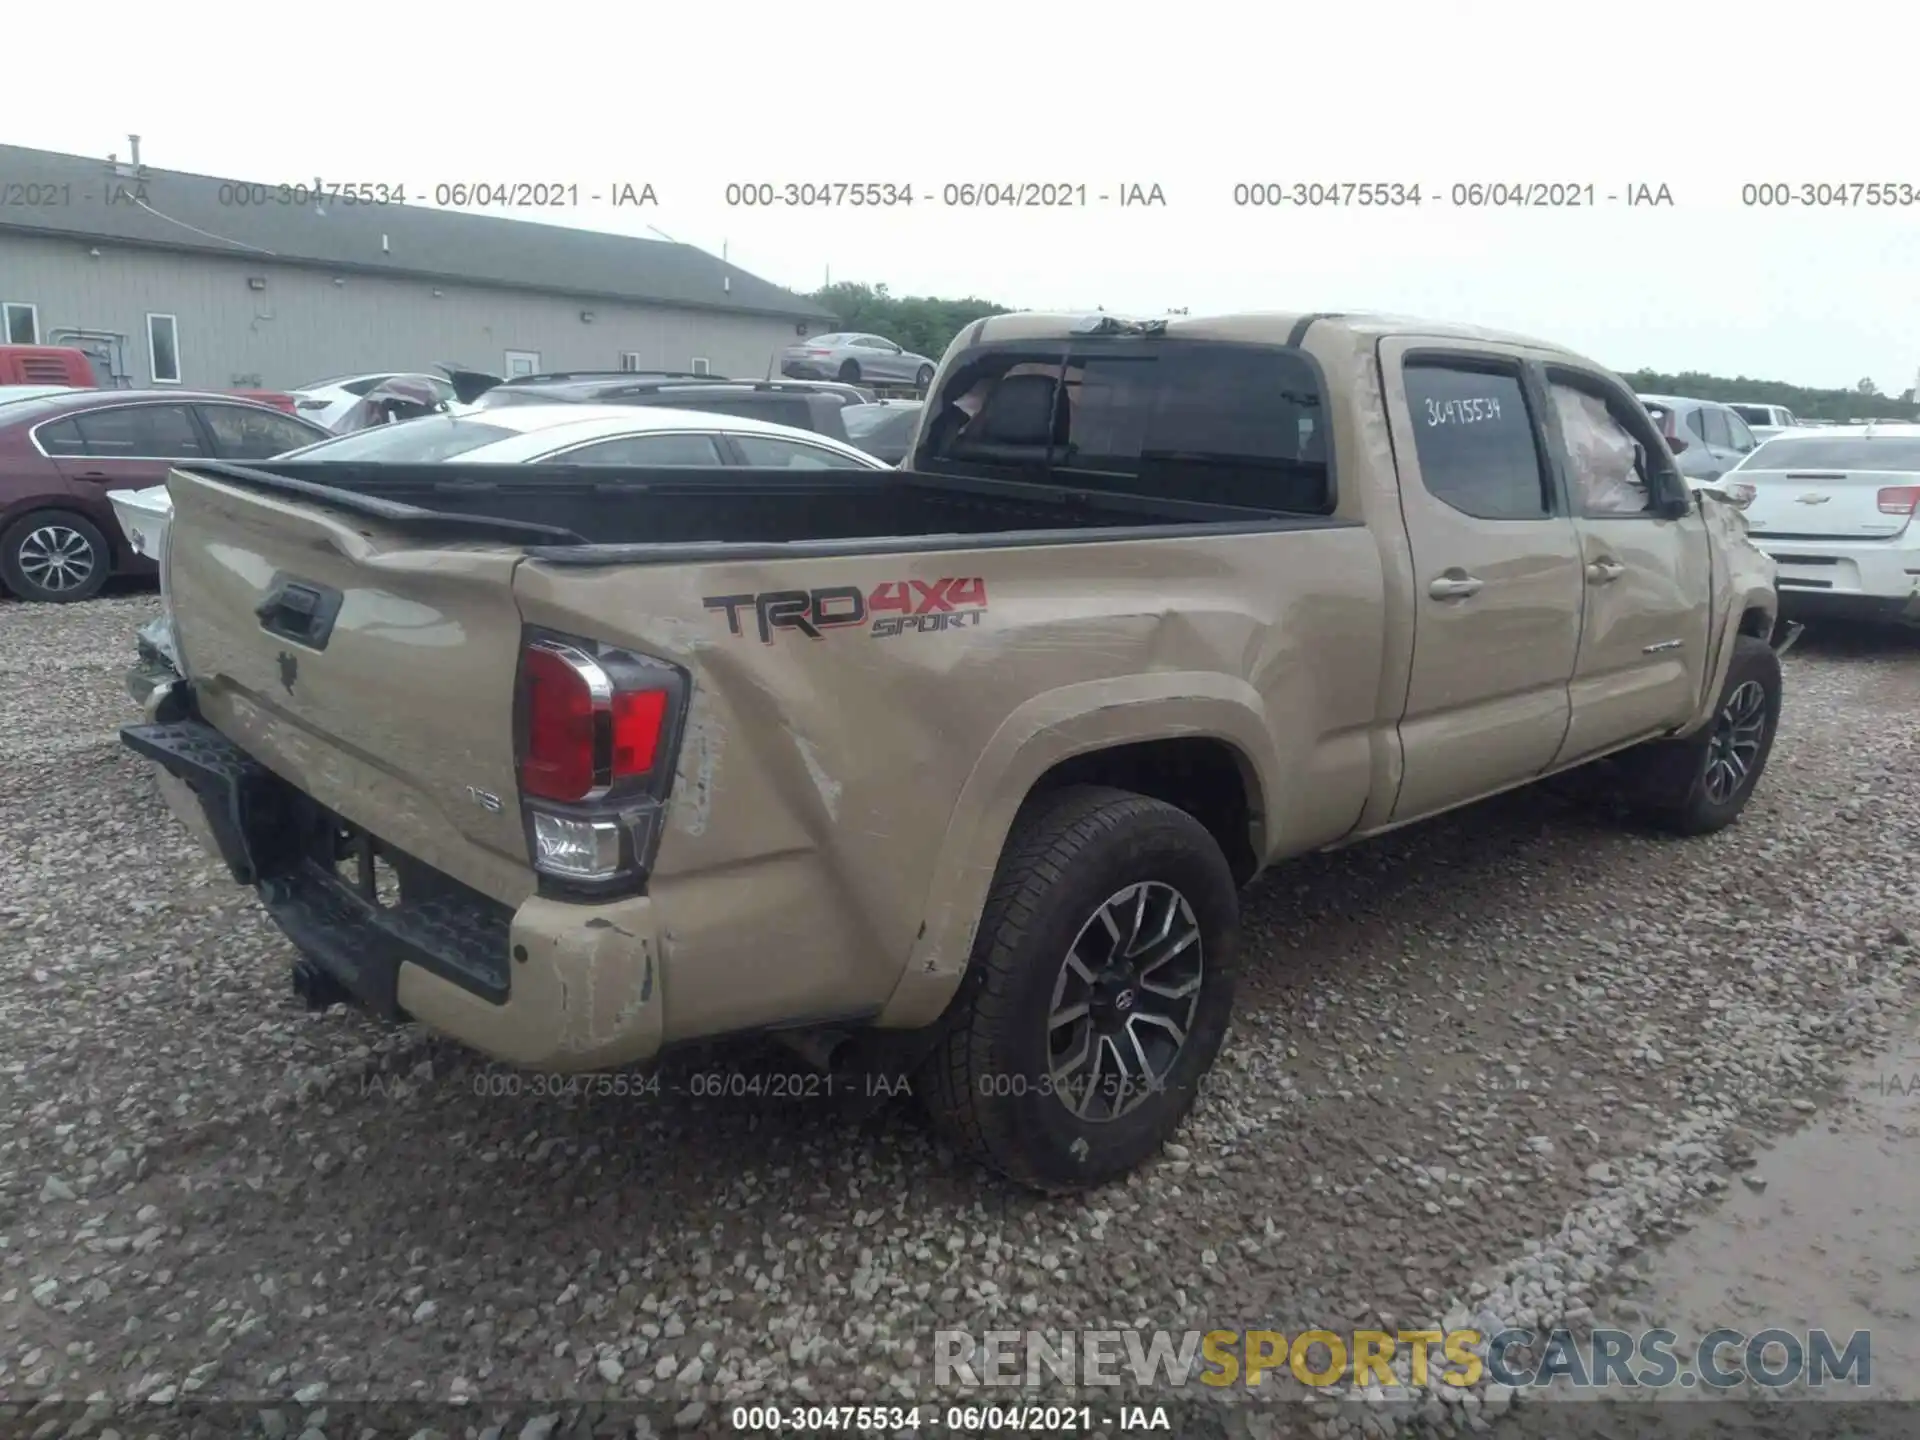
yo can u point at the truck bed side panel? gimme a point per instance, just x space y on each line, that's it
817 823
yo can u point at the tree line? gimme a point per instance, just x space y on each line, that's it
926 325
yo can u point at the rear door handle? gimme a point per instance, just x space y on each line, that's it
1602 572
1454 587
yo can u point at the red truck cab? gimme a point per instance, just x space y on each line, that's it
63 365
46 365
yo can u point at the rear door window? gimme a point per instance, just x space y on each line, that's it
1227 424
1714 426
1476 442
770 451
650 450
62 437
141 432
241 432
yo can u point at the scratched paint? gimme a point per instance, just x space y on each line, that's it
692 804
825 784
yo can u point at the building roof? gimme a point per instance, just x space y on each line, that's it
176 210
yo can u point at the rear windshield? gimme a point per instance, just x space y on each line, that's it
1221 423
865 420
410 442
1836 452
1754 414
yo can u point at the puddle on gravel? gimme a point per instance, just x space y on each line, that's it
1829 1239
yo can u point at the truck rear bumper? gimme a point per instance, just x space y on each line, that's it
549 985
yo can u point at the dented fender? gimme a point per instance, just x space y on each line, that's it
1039 735
1743 581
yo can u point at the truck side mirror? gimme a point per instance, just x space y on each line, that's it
1672 496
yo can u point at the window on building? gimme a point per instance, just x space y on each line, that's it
163 349
629 360
23 323
700 365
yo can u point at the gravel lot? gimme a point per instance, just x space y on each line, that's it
1475 1066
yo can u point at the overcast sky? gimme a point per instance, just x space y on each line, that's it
1703 98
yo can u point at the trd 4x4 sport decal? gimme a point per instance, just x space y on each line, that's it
895 607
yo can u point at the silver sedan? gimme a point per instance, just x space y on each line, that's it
857 360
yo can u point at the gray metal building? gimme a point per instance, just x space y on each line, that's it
168 278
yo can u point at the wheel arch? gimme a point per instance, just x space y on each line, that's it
1193 739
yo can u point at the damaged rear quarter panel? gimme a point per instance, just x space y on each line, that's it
843 789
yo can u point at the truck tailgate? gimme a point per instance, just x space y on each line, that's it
372 669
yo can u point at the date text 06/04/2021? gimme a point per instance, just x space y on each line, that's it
447 194
757 1085
1337 194
968 1419
981 194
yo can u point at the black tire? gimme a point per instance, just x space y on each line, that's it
988 1082
850 372
30 540
923 379
1680 785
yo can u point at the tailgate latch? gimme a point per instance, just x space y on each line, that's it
300 611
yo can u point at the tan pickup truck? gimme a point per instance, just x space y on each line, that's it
956 768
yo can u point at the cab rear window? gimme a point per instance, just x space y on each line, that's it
1226 424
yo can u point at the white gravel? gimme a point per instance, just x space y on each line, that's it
1476 1066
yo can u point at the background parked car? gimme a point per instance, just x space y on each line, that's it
780 402
884 430
1706 437
1835 509
63 455
10 393
573 434
326 402
856 359
1766 421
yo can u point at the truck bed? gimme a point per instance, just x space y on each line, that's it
555 506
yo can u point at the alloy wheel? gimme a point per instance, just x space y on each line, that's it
57 558
1735 745
1124 1001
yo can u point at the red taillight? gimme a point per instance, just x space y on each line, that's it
819 352
638 718
1899 499
588 725
561 726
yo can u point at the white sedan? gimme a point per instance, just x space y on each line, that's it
625 435
1839 512
566 434
611 435
326 402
